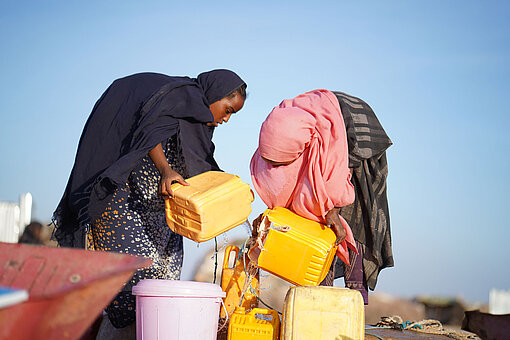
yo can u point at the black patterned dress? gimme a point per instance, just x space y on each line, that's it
134 223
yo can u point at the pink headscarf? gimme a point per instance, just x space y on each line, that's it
308 130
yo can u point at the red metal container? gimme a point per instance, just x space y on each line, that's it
68 288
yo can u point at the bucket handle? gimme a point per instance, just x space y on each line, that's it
226 258
226 319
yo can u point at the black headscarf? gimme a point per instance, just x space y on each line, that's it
134 115
368 216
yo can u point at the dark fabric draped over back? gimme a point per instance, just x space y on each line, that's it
368 216
132 116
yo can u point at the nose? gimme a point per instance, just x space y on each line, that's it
227 117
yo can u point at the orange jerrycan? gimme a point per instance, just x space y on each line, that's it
294 248
323 313
233 283
211 204
258 324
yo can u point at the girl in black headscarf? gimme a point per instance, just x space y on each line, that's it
146 131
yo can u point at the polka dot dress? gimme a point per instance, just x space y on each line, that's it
134 223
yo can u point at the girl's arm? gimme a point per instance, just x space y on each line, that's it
333 221
167 174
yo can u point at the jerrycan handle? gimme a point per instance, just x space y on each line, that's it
229 250
263 311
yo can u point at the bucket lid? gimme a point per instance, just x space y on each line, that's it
178 288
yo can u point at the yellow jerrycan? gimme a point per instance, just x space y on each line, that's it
258 324
294 248
233 283
323 313
211 204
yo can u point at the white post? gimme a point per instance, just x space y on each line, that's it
14 217
25 213
499 301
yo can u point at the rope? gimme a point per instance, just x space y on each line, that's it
242 252
226 321
250 273
215 259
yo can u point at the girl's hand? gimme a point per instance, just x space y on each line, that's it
255 226
167 174
167 178
333 222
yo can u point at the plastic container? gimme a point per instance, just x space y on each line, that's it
233 281
12 296
295 249
258 324
213 203
177 310
323 313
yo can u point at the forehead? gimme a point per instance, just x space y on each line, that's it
236 102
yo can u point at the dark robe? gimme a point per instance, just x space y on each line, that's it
134 115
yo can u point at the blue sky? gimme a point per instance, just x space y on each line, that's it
435 72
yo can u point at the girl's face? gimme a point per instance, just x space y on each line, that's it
224 108
273 163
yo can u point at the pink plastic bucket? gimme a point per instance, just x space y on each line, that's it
177 310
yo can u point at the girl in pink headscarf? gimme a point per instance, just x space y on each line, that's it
302 163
